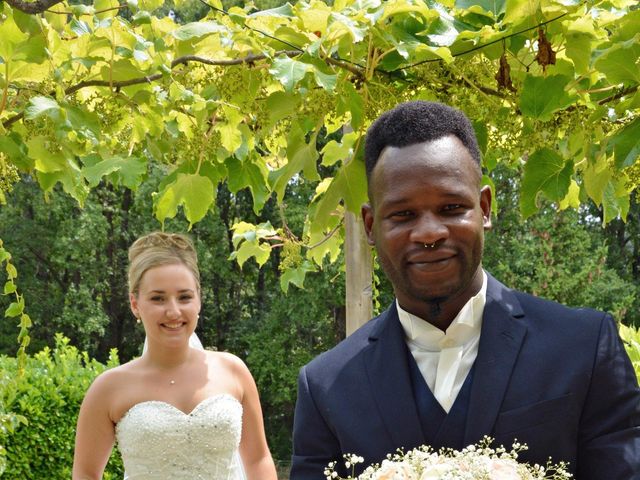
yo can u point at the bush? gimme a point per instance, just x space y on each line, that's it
631 338
39 409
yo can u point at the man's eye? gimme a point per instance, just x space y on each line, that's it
401 214
452 207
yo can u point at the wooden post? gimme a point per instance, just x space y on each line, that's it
359 274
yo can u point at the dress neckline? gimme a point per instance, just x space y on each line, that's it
217 396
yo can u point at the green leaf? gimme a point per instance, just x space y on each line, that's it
573 197
626 145
33 50
107 7
546 172
9 287
301 156
14 309
542 96
14 148
25 321
615 202
46 161
121 70
249 174
261 252
11 37
579 50
288 71
194 192
334 151
40 105
230 135
295 276
620 62
246 239
150 5
197 30
351 101
518 12
494 7
343 26
325 80
79 10
121 171
11 271
280 105
283 11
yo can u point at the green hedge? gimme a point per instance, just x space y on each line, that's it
39 409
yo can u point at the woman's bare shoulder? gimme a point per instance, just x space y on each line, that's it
110 381
225 359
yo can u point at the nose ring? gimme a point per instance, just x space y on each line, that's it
430 245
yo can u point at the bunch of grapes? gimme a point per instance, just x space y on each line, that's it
290 257
632 173
8 174
316 103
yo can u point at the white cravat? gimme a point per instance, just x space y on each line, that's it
445 358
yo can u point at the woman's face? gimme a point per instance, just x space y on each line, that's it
168 303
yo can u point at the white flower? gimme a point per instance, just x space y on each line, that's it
471 463
436 471
390 470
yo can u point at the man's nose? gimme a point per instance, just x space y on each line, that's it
429 229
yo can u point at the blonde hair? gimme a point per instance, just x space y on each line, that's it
157 249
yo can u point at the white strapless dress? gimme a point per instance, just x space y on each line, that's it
160 442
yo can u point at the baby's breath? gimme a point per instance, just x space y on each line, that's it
479 461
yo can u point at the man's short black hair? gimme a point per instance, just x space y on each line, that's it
416 122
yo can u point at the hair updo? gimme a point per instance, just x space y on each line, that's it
158 249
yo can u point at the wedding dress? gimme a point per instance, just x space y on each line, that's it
160 442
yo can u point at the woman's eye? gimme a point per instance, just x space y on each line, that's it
156 299
186 298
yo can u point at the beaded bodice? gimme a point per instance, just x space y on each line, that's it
159 442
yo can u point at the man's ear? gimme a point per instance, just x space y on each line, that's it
367 219
485 205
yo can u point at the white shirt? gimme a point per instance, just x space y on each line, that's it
445 358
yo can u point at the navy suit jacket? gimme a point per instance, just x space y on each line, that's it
555 378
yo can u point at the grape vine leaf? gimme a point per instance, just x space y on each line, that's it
547 172
542 96
289 71
620 62
194 192
626 145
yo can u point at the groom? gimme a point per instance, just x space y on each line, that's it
459 355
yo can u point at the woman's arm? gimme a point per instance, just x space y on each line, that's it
95 433
256 458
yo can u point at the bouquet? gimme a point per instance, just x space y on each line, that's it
475 462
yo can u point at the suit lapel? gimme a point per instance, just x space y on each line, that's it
388 373
500 341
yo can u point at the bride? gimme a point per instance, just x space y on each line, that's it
177 412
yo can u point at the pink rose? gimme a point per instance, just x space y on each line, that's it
503 469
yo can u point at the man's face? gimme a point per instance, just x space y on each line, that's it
428 193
